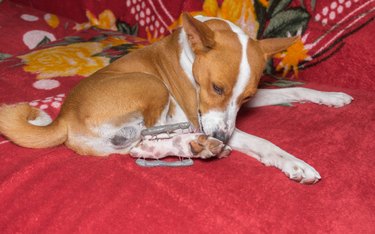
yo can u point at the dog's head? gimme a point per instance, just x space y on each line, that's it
226 68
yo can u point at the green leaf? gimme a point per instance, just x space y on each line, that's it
115 57
261 13
302 2
285 104
284 83
278 5
134 30
123 47
74 39
44 41
60 43
313 4
270 69
101 54
4 56
97 38
290 20
126 28
111 33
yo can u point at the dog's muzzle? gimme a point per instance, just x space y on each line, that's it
221 136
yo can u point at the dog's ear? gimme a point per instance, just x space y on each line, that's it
273 46
200 36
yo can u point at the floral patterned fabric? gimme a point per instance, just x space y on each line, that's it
69 60
54 59
322 26
54 68
152 16
75 56
22 28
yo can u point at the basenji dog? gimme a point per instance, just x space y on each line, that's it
202 74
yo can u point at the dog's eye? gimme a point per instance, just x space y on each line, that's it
218 90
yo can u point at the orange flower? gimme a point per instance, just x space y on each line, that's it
52 20
240 12
152 38
114 41
265 3
232 10
210 7
106 20
292 57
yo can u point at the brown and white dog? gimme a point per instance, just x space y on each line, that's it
201 73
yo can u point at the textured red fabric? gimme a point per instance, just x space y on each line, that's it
352 66
55 190
126 10
13 27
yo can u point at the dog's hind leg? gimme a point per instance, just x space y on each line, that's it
127 135
268 97
113 137
271 155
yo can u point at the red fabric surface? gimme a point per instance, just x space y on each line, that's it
13 27
352 66
165 12
333 40
55 190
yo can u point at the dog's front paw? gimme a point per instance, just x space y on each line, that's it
301 172
206 147
225 152
335 99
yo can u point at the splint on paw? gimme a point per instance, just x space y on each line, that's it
176 140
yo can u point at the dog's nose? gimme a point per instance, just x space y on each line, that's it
221 136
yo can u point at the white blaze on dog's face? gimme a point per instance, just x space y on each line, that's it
226 66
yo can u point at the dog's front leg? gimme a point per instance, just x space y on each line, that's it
267 97
271 155
188 145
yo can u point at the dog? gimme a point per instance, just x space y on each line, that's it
202 74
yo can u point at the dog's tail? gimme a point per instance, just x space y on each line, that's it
15 125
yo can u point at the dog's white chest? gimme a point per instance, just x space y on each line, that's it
178 116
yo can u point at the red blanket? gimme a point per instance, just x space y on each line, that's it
57 191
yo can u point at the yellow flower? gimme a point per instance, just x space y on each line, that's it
240 12
106 20
292 57
265 3
70 60
120 40
232 9
152 38
210 7
52 20
113 41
